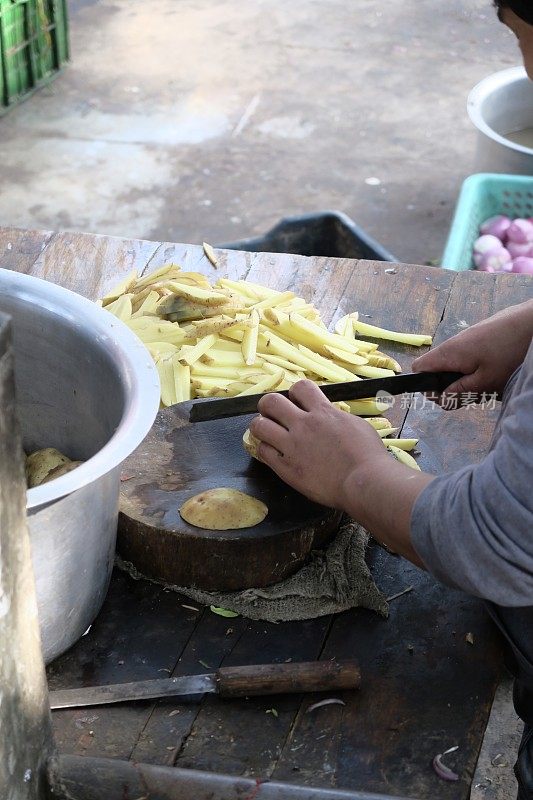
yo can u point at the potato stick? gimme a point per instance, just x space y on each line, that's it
197 294
168 271
231 373
405 458
208 383
214 325
343 356
266 385
124 287
190 354
274 344
303 326
416 339
364 347
342 374
232 335
236 387
277 361
377 359
290 376
373 372
262 291
401 444
344 326
239 288
121 307
296 304
159 350
166 377
342 406
210 254
386 432
156 331
228 344
379 423
271 302
182 380
148 307
249 339
226 358
368 407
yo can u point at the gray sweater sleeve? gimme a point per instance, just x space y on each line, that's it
473 529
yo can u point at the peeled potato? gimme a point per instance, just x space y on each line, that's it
223 509
40 463
251 444
62 469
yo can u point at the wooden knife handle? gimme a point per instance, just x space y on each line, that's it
264 679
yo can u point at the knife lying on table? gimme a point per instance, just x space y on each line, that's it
205 409
259 679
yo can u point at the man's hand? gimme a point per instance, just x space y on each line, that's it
487 353
313 446
339 461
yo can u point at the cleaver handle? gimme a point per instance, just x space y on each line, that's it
265 679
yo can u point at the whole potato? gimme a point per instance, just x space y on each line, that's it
40 463
62 469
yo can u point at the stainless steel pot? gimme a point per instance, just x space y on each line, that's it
86 385
501 104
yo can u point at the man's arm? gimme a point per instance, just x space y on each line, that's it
340 461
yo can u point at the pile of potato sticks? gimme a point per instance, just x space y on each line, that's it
237 338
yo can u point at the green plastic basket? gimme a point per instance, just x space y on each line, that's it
483 196
33 46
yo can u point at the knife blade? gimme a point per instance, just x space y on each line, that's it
248 681
205 409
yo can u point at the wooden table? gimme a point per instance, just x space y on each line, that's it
425 687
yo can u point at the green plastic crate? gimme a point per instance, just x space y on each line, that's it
33 46
483 196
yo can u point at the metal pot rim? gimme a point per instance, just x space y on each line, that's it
134 363
484 89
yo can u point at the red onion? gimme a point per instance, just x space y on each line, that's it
520 231
517 250
496 226
444 772
523 265
485 243
495 260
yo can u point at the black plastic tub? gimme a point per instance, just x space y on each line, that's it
323 233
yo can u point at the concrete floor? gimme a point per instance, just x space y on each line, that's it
185 120
210 119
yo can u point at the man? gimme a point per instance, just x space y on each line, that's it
472 529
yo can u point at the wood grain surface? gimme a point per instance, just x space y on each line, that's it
424 687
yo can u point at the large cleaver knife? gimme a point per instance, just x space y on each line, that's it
260 679
205 409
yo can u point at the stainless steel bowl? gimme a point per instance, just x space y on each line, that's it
501 104
87 386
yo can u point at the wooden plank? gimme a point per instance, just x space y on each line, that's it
89 264
139 634
19 249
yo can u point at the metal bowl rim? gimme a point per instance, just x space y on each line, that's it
134 364
484 89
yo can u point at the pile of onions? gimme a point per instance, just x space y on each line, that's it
505 245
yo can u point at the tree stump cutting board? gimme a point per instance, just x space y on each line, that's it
178 460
